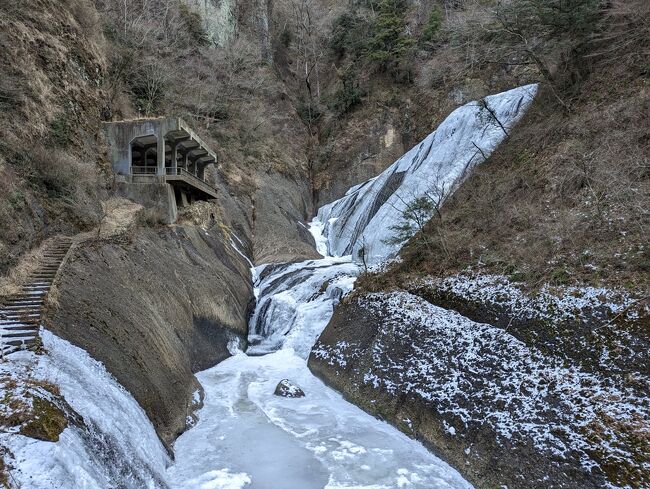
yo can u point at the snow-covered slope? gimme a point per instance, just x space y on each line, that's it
114 445
364 216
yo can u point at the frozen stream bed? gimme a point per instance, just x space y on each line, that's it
248 437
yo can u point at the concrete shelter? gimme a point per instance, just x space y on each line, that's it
162 150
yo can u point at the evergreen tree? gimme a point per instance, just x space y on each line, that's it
389 43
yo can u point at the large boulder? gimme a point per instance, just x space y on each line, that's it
286 388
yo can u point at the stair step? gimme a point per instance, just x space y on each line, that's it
34 327
21 342
26 324
16 309
24 300
20 326
27 317
20 313
25 335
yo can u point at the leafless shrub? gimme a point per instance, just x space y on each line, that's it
628 36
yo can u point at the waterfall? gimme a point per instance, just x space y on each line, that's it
293 306
320 440
432 168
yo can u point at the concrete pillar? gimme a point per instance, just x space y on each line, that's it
160 147
201 173
196 167
185 159
174 152
144 156
184 201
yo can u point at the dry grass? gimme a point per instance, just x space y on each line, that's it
49 108
567 198
17 275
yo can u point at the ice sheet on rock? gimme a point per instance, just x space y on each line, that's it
364 216
116 444
318 441
295 302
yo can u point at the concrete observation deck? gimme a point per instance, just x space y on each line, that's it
162 150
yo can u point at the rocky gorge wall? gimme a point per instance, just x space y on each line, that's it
530 400
155 306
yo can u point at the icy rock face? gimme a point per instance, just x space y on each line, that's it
115 445
488 401
364 216
295 301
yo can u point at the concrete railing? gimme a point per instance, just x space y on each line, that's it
143 170
184 175
172 175
182 172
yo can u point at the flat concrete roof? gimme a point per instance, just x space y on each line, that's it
175 128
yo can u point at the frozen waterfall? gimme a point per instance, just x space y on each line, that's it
248 437
434 167
113 443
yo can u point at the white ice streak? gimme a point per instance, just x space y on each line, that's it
295 302
364 216
116 442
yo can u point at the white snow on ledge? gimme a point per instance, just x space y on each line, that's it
550 302
435 167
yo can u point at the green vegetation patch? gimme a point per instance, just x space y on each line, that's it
47 421
32 408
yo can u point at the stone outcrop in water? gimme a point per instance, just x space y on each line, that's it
286 388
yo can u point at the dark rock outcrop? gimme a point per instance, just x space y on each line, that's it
286 388
502 412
